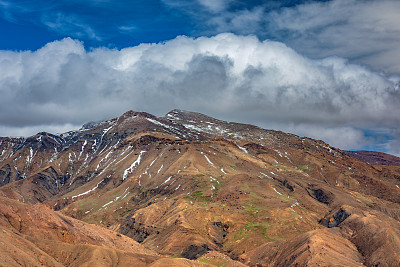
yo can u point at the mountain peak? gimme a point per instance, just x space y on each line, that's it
178 114
132 113
191 185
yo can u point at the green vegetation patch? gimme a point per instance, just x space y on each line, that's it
257 226
198 196
240 235
254 207
206 261
284 197
281 168
304 168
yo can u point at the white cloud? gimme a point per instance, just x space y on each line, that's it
31 130
215 5
241 22
8 10
366 32
343 137
228 76
70 25
127 28
392 146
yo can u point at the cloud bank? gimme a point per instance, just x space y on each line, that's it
363 31
233 77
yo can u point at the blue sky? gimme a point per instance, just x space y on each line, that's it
31 24
325 69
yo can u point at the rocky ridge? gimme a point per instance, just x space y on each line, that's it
188 185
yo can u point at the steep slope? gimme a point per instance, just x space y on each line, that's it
35 235
189 185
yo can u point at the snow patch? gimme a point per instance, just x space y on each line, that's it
209 161
105 205
82 149
277 151
129 170
115 199
243 149
160 168
277 191
87 192
192 127
269 177
167 180
173 129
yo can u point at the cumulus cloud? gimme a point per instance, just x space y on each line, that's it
365 32
237 78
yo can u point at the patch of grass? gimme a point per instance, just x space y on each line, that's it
245 188
280 167
284 197
303 168
259 227
253 207
176 255
204 199
125 212
188 197
233 167
248 207
206 261
255 195
241 234
198 196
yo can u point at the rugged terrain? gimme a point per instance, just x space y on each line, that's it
375 158
190 186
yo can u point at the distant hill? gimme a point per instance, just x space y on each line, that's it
375 158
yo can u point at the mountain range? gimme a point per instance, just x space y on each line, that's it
187 189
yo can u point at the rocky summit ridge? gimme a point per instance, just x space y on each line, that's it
187 189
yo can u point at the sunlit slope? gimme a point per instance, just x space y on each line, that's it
186 184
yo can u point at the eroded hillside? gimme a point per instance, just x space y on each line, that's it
188 185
